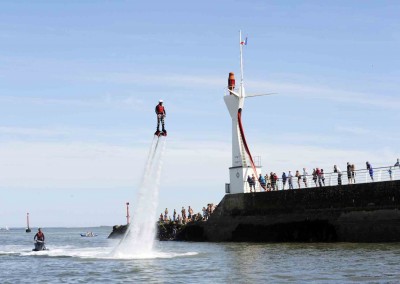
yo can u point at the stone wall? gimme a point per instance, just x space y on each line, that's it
351 213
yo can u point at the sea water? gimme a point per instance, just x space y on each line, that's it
75 259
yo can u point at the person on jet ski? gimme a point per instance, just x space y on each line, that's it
160 111
39 237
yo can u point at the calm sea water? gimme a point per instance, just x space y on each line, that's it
74 259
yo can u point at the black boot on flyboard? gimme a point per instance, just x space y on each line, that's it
160 133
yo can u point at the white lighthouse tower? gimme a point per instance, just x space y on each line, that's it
242 161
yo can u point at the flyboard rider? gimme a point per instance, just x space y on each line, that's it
160 111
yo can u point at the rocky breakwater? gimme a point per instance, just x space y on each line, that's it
118 231
166 231
351 213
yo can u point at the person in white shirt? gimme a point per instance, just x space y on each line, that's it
337 170
290 180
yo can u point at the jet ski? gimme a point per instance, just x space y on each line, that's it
39 245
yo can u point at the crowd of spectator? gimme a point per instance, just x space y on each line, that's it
270 182
188 215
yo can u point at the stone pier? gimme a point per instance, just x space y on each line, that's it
367 212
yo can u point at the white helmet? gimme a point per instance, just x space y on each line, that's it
160 101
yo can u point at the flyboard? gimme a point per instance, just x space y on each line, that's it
159 135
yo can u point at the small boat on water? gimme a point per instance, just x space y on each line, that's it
89 234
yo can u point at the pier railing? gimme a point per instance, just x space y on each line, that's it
332 179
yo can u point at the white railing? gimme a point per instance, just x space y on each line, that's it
332 179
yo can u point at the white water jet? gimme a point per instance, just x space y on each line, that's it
139 238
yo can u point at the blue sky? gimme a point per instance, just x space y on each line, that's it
79 81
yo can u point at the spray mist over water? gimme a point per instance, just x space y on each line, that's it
139 238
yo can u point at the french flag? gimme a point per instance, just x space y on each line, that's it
244 42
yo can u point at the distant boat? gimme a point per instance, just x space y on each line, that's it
6 228
28 230
89 234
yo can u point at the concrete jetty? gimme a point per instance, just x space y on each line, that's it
367 212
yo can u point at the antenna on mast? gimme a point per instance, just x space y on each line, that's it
241 63
241 57
242 43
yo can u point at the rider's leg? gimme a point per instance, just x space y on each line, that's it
158 123
162 122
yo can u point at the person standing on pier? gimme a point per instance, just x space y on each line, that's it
337 170
353 173
390 173
318 173
261 180
298 175
370 170
322 176
283 180
275 181
250 182
272 179
314 176
267 181
290 180
305 174
349 173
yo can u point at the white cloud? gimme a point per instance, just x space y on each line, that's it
313 91
305 90
91 165
63 165
354 130
29 131
158 80
285 157
100 100
287 88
